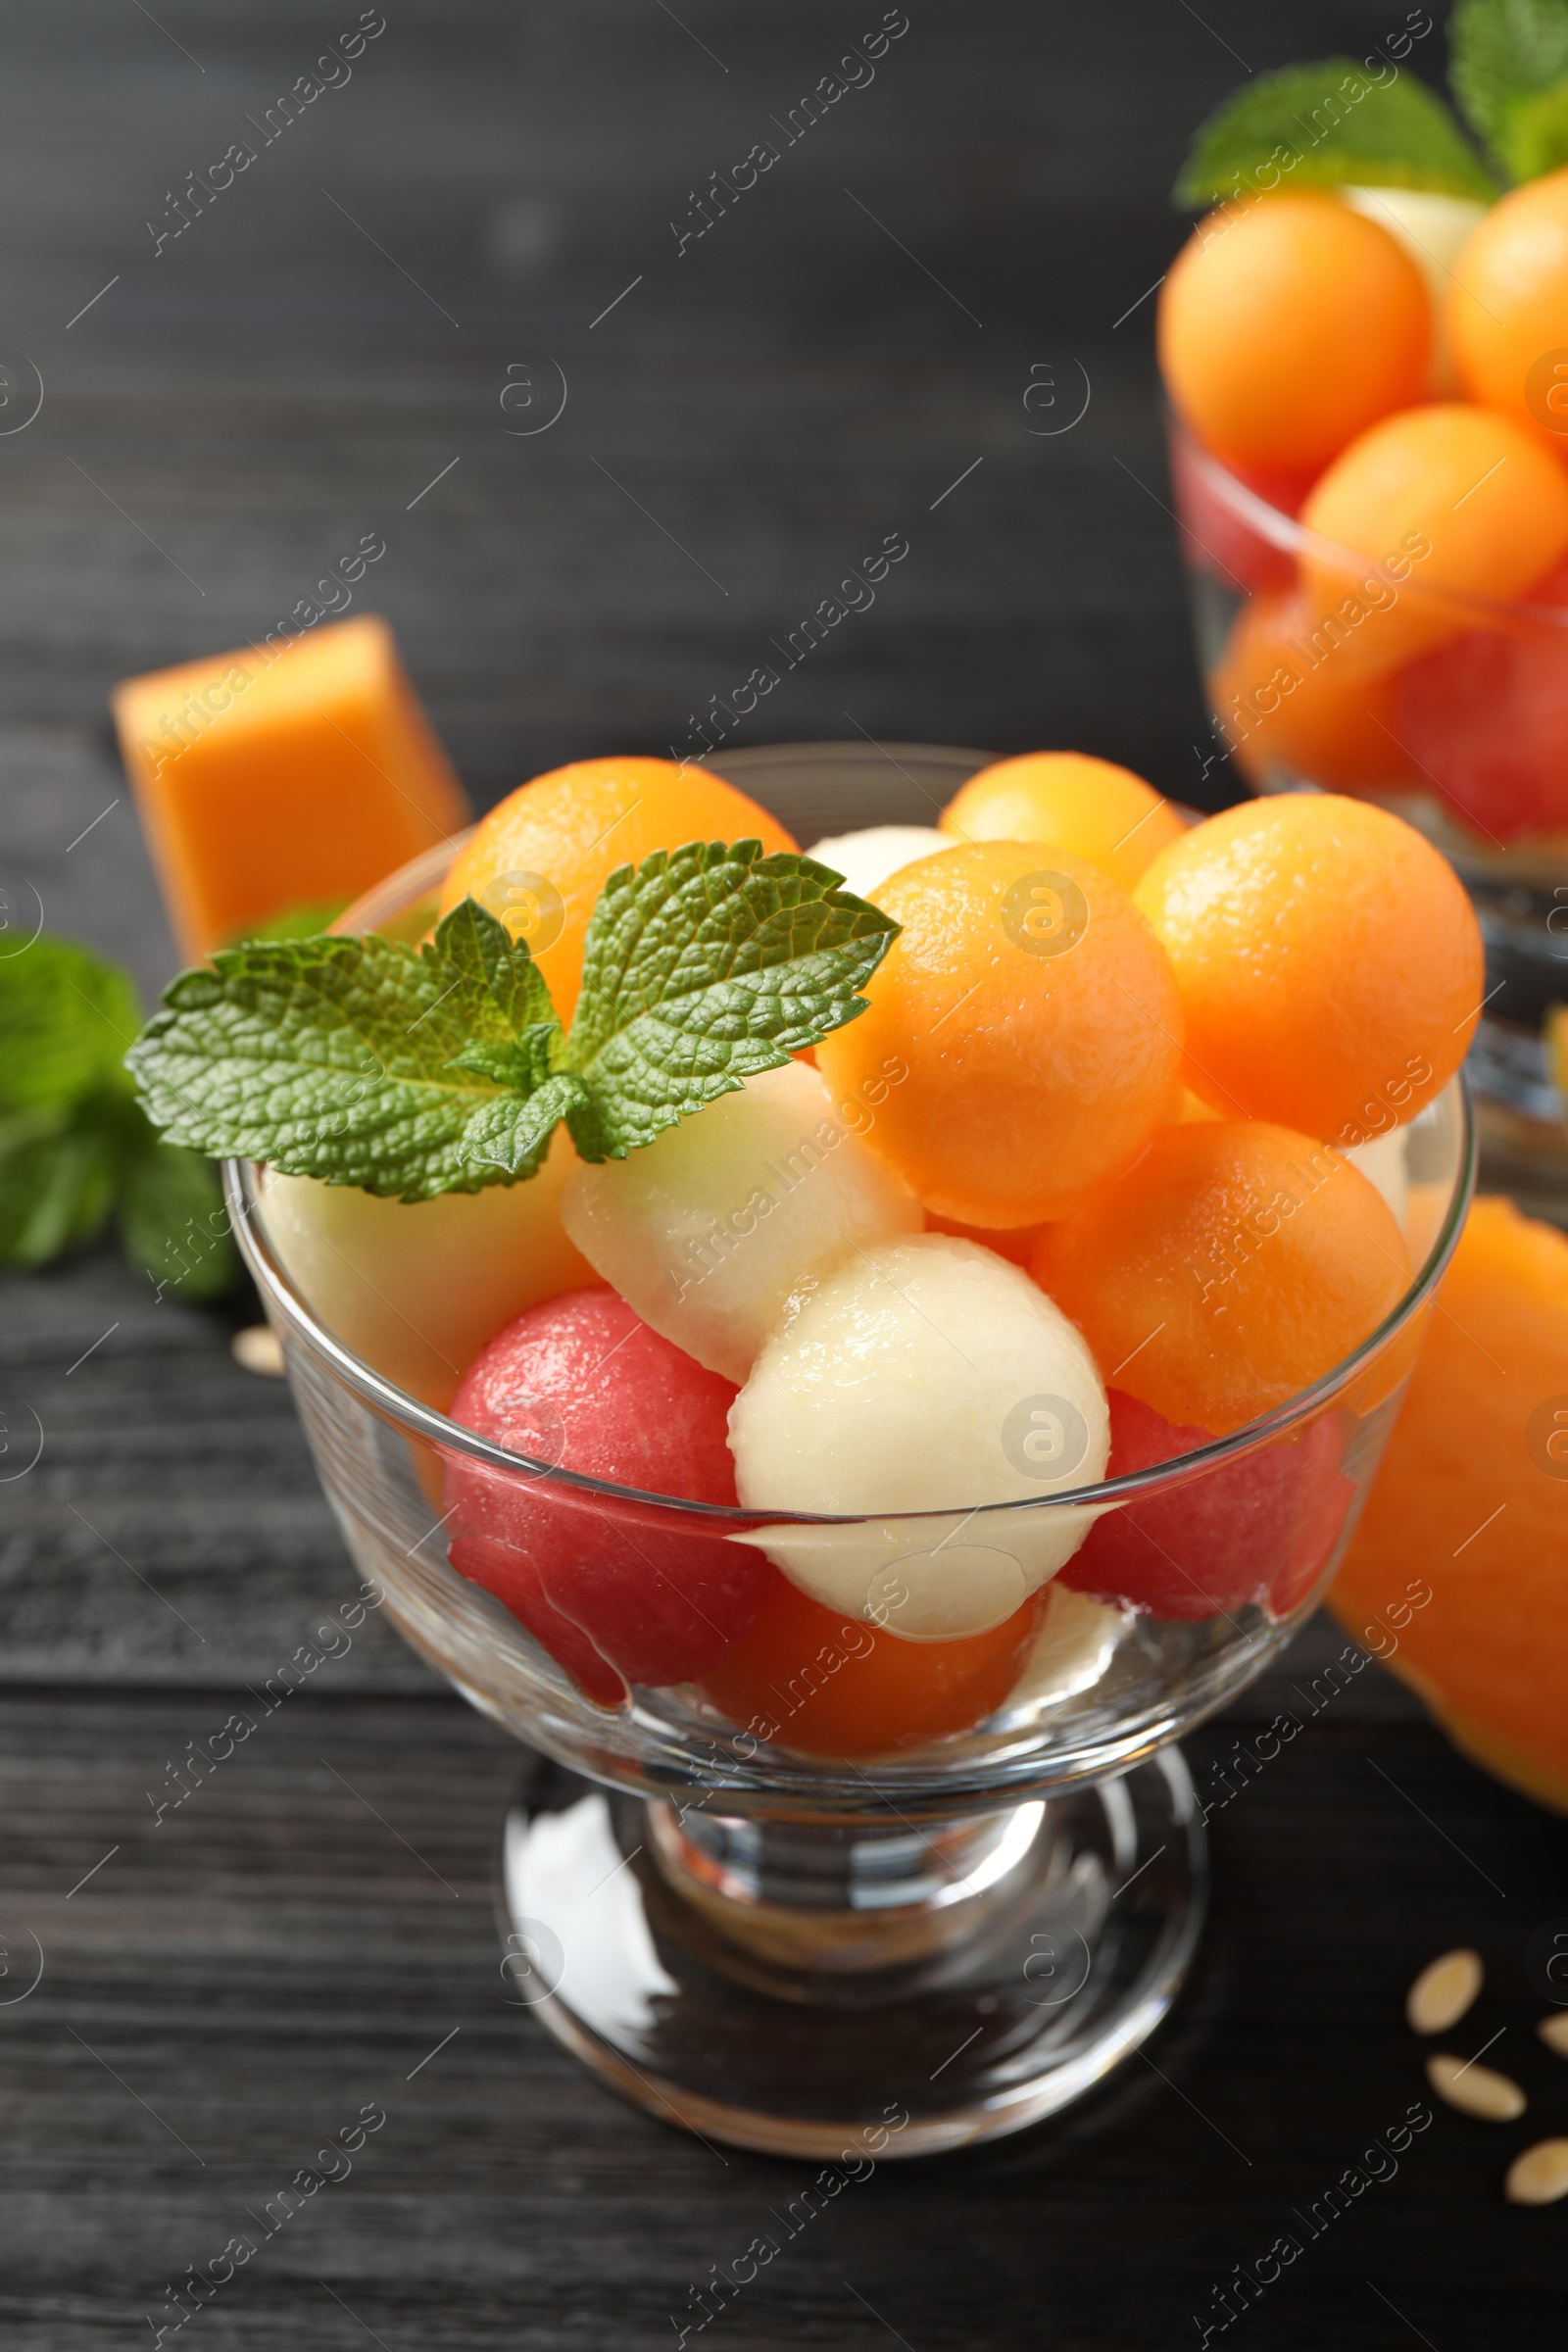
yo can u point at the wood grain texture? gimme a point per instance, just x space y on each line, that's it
317 1920
219 423
745 423
172 1530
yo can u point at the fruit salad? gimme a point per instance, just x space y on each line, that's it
1365 343
811 1235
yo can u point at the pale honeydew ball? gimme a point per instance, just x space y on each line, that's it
922 1374
1425 1207
869 857
708 1230
1431 228
415 1288
1076 1642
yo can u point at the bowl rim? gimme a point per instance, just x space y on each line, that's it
244 1198
1292 536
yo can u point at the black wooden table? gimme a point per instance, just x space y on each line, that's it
374 328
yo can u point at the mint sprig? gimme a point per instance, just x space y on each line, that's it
76 1145
412 1073
1329 125
1509 71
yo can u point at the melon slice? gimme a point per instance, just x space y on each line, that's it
281 775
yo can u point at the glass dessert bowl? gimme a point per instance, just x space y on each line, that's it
1325 669
812 1878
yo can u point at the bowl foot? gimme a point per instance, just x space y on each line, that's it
842 1993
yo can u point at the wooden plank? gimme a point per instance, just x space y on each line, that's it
172 1529
273 1956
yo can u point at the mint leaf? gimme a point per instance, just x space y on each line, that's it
66 1019
306 919
73 1143
511 1133
523 1063
499 993
339 1058
1328 126
56 1180
1538 134
173 1221
1505 58
701 967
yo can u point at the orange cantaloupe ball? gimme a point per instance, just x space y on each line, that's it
1189 1107
1286 331
1328 960
1447 497
1037 1019
1508 310
809 1678
541 858
1016 1243
1295 711
1457 1573
1091 808
1234 1263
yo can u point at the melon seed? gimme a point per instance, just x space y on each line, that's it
1475 2089
1539 2177
257 1349
1443 1992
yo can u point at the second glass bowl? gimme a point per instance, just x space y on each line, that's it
1323 670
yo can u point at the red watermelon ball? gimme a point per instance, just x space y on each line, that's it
1258 1528
1486 715
617 1592
1217 535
